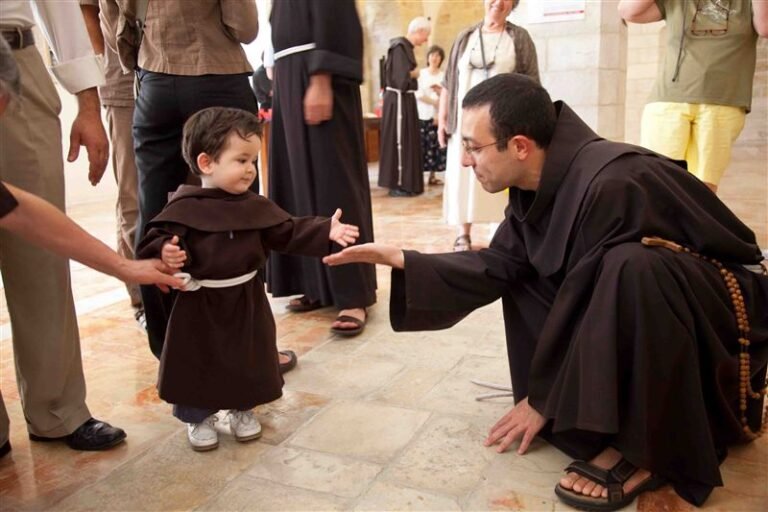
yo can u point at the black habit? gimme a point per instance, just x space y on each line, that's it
400 161
614 342
316 169
220 350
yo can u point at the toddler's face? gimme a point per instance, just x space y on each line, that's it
235 169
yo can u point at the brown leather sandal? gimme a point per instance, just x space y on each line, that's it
612 479
354 331
302 304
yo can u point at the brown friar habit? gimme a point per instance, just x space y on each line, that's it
220 350
400 165
315 169
614 342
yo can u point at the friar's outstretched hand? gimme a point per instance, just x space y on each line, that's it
368 253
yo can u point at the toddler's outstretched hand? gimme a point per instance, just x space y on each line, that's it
172 255
342 234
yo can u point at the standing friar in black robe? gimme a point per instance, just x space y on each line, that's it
315 169
400 160
614 342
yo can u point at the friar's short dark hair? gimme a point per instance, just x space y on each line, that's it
208 130
518 106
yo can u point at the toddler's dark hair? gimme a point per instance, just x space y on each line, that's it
207 132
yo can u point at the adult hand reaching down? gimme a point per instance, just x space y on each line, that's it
523 422
87 130
318 99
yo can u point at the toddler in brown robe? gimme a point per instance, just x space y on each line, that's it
220 350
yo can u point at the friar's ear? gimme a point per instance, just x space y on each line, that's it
522 145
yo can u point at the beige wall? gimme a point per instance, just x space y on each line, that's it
583 62
384 19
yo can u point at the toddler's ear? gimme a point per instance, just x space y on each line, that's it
204 162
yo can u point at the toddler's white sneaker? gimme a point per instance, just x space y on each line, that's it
244 425
202 436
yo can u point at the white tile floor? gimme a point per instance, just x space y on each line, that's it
384 421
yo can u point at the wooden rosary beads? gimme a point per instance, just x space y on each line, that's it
737 299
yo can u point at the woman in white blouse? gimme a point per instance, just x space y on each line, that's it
428 99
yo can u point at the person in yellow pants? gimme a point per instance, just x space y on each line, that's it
703 92
702 135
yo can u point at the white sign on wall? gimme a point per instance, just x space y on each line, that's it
549 11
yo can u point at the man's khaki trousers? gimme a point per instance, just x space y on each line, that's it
46 343
120 121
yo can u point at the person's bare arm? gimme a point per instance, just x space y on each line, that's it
380 254
425 95
87 130
318 99
430 101
760 17
639 11
442 118
42 224
93 25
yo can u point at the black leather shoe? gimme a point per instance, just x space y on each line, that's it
5 449
91 435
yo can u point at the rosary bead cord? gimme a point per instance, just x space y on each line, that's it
742 321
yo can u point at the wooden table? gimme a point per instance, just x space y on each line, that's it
372 131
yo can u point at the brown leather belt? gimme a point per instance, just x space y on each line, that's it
18 38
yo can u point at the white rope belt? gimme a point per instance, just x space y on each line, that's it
399 130
190 284
294 49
